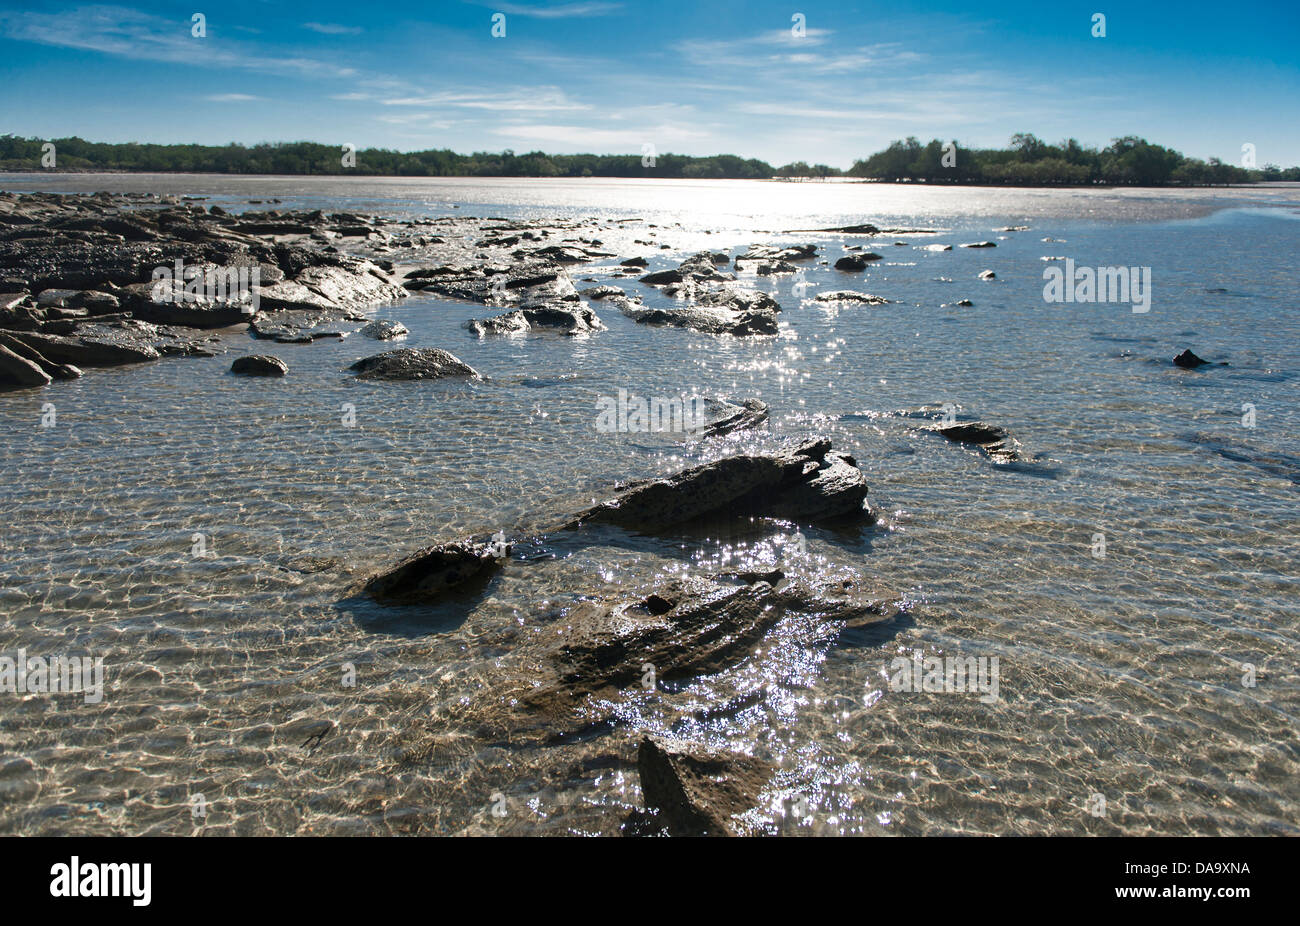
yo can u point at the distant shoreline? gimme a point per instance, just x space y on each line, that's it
113 172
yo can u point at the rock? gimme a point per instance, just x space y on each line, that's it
808 482
49 367
965 303
1189 361
993 439
571 320
777 253
301 326
435 571
856 262
685 629
384 330
734 312
662 277
699 791
634 262
259 365
863 229
750 414
848 295
524 283
987 275
980 244
412 363
935 247
16 370
600 292
97 349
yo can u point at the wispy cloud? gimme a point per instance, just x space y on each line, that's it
115 30
332 29
587 138
539 99
232 98
556 10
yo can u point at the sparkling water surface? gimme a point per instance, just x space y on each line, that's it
1120 675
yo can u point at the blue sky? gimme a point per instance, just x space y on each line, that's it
690 77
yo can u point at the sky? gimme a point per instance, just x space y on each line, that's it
700 78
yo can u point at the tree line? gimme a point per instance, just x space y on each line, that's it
1027 161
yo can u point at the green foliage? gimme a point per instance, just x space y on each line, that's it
312 158
1030 161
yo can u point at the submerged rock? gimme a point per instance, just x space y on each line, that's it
749 414
698 791
987 275
980 244
993 439
413 363
259 365
597 648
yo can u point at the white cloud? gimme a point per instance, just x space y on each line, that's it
232 98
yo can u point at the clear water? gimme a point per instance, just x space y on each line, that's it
1120 676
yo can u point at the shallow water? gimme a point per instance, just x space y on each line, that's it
1120 676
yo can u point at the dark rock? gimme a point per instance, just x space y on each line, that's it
699 791
571 320
987 275
750 414
1189 361
16 370
662 277
634 262
49 367
993 439
412 363
808 482
722 310
980 244
259 365
848 295
856 262
437 570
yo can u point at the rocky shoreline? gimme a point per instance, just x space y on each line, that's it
103 280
